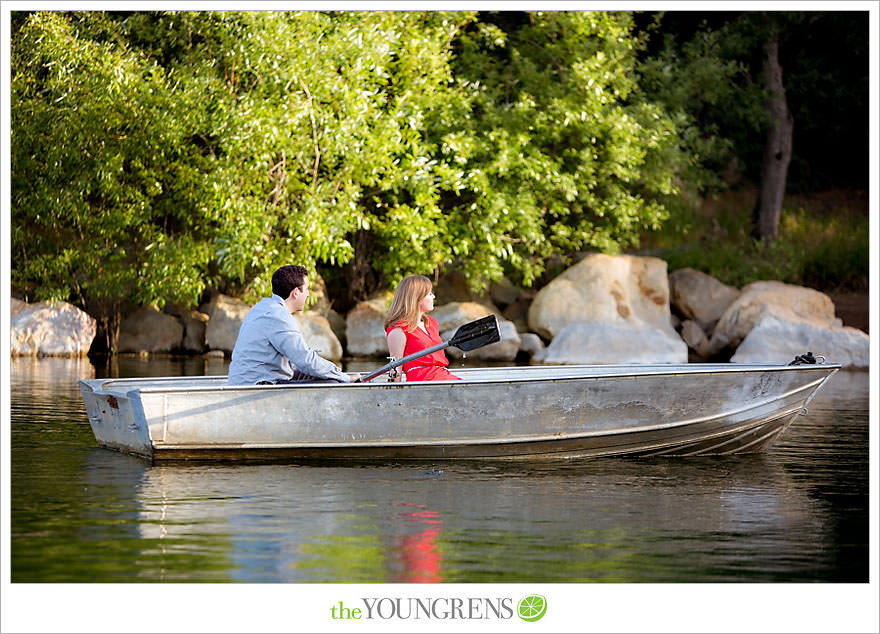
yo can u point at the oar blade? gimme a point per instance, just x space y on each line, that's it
476 334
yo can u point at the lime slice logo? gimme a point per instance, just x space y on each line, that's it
532 607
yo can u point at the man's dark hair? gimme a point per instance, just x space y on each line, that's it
287 278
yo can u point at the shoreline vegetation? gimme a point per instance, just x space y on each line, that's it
164 159
815 229
823 240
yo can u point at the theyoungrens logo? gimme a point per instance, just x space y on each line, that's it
530 608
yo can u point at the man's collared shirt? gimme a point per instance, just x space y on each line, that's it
268 342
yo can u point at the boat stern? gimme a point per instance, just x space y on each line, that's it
116 419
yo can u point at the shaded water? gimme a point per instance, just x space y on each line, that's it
79 513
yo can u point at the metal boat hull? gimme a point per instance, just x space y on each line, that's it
494 413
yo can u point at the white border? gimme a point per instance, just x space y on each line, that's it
572 607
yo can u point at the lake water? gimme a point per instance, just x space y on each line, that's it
796 513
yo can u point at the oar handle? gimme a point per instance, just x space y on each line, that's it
401 361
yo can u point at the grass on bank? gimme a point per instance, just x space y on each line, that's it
823 241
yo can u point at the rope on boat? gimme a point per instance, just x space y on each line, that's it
808 358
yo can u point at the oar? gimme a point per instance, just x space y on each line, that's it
471 336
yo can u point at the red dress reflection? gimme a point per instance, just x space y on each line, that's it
421 557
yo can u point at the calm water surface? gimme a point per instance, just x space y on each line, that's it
79 513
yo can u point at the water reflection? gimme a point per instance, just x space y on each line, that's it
613 521
419 545
27 372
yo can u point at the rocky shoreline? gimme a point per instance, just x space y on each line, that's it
604 309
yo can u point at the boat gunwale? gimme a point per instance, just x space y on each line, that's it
629 372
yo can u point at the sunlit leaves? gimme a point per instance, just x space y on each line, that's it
563 137
157 153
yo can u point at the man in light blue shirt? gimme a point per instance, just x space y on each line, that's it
270 347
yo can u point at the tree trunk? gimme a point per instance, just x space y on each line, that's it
108 314
777 148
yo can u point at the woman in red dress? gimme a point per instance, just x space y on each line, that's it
408 329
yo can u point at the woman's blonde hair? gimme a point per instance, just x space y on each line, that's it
405 305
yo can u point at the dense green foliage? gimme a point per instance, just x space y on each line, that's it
157 155
154 154
569 154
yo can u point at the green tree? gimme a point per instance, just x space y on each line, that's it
107 202
157 154
565 152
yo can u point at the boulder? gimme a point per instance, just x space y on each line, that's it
518 312
452 286
631 292
700 297
503 293
195 324
600 342
695 338
149 330
320 304
225 315
319 335
47 329
452 315
16 306
365 328
773 340
788 302
531 345
337 323
175 309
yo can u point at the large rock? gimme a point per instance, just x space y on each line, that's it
503 293
225 315
16 306
452 315
149 330
626 291
518 312
695 338
320 304
531 345
365 328
775 341
610 343
337 323
787 302
319 335
700 297
45 329
452 286
195 325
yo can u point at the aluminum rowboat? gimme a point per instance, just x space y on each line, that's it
527 412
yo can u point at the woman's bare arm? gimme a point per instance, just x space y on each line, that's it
396 345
